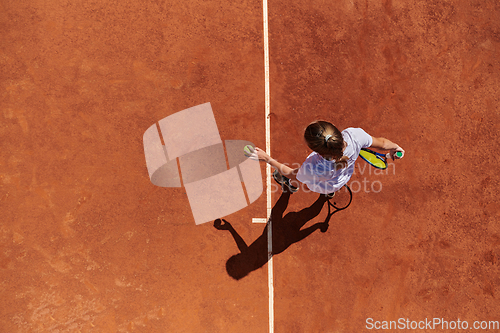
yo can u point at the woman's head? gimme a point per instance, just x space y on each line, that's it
326 140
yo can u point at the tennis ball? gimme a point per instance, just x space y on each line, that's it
248 150
399 154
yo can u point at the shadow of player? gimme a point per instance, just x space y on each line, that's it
286 230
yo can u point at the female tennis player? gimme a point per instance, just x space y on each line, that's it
331 164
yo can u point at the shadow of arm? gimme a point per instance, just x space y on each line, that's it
221 224
304 233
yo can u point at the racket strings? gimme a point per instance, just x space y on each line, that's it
373 159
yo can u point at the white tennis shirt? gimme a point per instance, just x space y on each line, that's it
319 174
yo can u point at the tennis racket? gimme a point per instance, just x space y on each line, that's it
376 159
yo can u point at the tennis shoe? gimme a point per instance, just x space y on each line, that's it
330 195
284 182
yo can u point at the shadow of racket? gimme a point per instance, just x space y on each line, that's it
341 201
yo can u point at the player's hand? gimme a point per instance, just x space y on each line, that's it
262 155
394 151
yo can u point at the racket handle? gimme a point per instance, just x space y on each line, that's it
397 155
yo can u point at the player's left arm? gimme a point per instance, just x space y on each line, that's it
386 144
285 170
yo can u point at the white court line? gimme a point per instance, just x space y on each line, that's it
268 173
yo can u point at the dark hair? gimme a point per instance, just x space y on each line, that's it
316 134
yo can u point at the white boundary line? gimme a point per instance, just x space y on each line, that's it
268 173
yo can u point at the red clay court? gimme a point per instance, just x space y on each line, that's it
89 244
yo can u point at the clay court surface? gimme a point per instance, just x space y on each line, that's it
88 244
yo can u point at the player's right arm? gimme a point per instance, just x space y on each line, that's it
386 144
